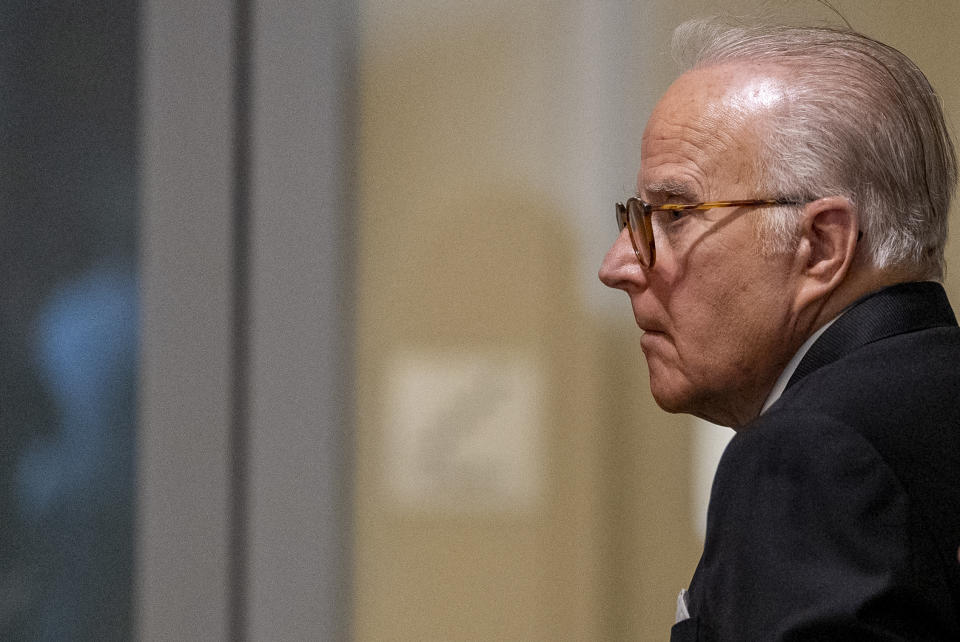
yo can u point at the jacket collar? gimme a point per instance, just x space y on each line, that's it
905 307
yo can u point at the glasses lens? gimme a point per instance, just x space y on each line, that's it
621 216
639 233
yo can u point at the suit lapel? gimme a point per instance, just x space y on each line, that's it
902 308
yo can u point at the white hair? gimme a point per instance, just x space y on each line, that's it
860 121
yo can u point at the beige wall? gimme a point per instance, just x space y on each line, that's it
514 480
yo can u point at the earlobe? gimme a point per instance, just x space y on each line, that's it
828 243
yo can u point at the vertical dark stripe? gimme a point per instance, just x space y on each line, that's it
237 580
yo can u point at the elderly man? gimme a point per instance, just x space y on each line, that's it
782 258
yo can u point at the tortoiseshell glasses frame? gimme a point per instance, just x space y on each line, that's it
638 214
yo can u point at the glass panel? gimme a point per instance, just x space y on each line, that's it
68 318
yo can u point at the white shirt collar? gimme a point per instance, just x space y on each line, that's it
784 378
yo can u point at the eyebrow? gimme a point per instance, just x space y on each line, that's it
678 189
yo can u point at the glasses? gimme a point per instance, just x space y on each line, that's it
637 214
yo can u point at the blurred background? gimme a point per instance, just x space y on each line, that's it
301 332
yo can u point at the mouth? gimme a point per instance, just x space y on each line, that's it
653 343
649 327
653 334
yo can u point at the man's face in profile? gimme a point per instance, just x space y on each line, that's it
713 309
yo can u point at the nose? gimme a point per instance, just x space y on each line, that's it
620 268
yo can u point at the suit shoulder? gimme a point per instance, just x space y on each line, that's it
901 394
804 450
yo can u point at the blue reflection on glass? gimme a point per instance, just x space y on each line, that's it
75 483
85 350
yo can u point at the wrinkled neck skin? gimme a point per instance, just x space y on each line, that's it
861 280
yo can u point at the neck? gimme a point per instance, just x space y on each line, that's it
858 283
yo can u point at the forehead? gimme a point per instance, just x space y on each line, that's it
703 131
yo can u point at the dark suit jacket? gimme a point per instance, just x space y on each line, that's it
836 514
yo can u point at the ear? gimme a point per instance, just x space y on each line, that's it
829 231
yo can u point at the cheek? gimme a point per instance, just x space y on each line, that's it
716 327
717 307
731 331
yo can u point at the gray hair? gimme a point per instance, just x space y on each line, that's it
860 121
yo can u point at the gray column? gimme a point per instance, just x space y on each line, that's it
300 379
245 391
185 386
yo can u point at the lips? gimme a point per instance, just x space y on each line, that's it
653 342
653 333
647 325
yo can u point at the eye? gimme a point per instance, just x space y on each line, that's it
670 221
668 217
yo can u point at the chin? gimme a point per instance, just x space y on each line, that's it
682 399
676 403
670 400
